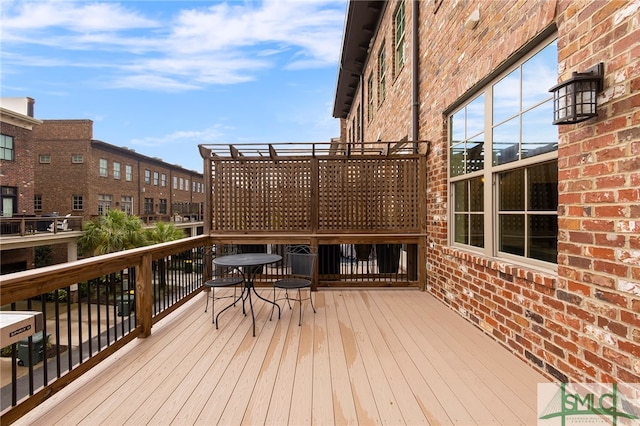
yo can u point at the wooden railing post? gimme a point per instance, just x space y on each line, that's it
144 295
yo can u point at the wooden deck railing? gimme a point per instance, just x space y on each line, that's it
92 308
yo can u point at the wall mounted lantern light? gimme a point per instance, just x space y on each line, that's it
576 99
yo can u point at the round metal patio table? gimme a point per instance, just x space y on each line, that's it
248 262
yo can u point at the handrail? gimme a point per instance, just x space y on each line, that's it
33 282
104 278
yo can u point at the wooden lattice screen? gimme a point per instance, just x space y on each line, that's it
316 193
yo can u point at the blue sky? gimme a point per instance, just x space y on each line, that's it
163 76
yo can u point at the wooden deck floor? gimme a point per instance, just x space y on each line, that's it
384 357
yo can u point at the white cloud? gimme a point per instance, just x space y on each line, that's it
225 43
151 82
185 137
73 16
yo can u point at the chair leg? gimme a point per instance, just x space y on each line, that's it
300 303
286 296
311 299
213 305
211 294
274 301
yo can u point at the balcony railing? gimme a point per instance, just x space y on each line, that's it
25 225
97 305
92 307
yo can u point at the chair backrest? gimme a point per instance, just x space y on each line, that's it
301 261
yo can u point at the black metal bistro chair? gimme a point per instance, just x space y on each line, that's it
223 278
300 266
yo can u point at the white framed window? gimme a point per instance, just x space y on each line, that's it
104 168
163 180
181 184
399 38
77 159
126 204
503 169
175 182
186 184
7 150
44 158
104 203
116 170
147 176
156 178
128 173
77 202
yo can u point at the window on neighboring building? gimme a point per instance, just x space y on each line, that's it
163 180
147 176
156 178
175 182
104 171
9 196
181 183
126 204
503 167
370 97
399 37
148 206
77 159
37 202
7 151
128 173
382 71
104 203
186 184
162 208
76 202
44 158
116 170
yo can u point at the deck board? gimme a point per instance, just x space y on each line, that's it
382 356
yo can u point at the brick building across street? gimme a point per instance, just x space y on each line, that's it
77 174
57 168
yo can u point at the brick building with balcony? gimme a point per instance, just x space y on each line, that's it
16 169
78 175
533 228
55 168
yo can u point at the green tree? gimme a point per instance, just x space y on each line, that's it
163 232
112 232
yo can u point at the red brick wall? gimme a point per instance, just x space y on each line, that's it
599 213
19 173
58 181
583 322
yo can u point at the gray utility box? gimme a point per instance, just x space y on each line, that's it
38 349
126 305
